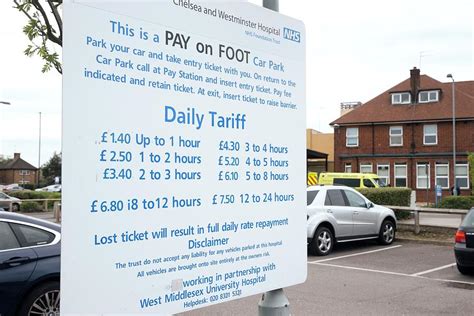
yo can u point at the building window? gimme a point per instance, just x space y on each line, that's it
396 136
366 168
430 134
401 98
24 172
462 176
383 171
348 167
400 175
23 182
422 175
442 175
352 137
428 96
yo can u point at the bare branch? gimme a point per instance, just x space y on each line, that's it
54 10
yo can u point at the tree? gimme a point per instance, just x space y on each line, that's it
52 168
44 29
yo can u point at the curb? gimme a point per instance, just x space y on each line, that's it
426 241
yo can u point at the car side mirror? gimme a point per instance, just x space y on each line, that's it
370 204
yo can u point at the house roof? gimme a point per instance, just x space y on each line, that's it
17 164
380 109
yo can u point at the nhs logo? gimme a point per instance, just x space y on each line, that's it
291 35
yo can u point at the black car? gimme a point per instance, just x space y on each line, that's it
464 246
30 251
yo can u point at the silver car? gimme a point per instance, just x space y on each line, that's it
341 214
6 201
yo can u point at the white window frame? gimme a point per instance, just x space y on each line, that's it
430 134
400 94
396 135
446 165
395 177
356 136
423 176
428 98
466 176
348 167
24 172
364 165
387 178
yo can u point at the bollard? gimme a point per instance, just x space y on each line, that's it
274 303
417 222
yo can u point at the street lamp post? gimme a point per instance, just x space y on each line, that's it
39 152
455 191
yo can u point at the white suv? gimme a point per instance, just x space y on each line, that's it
341 214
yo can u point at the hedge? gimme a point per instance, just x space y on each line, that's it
457 202
29 207
389 196
27 194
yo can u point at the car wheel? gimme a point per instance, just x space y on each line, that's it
387 232
43 300
464 270
322 243
15 207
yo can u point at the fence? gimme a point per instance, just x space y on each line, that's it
45 202
417 210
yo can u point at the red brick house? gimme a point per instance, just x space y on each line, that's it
18 171
405 136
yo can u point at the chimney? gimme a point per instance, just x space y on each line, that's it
16 156
414 84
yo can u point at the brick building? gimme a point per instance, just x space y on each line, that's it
18 171
405 136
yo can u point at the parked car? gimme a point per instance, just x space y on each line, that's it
51 188
341 214
13 187
6 200
464 244
29 265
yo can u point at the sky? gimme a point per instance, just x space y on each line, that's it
355 50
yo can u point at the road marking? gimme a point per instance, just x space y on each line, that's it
391 273
359 269
433 270
356 254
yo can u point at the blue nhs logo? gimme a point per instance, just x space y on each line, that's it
291 35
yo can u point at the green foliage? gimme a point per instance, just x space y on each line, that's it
457 202
470 159
43 29
52 169
388 196
28 186
30 207
27 195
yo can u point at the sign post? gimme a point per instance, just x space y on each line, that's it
183 155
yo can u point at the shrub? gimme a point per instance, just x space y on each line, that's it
27 194
457 202
29 207
389 196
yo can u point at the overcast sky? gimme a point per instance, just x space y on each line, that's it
355 51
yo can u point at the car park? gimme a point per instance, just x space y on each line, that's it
6 201
29 265
341 214
464 244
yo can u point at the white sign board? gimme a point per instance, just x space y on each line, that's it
184 155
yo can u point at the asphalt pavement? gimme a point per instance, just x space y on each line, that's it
367 279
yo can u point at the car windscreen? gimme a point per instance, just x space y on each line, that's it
310 196
469 219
